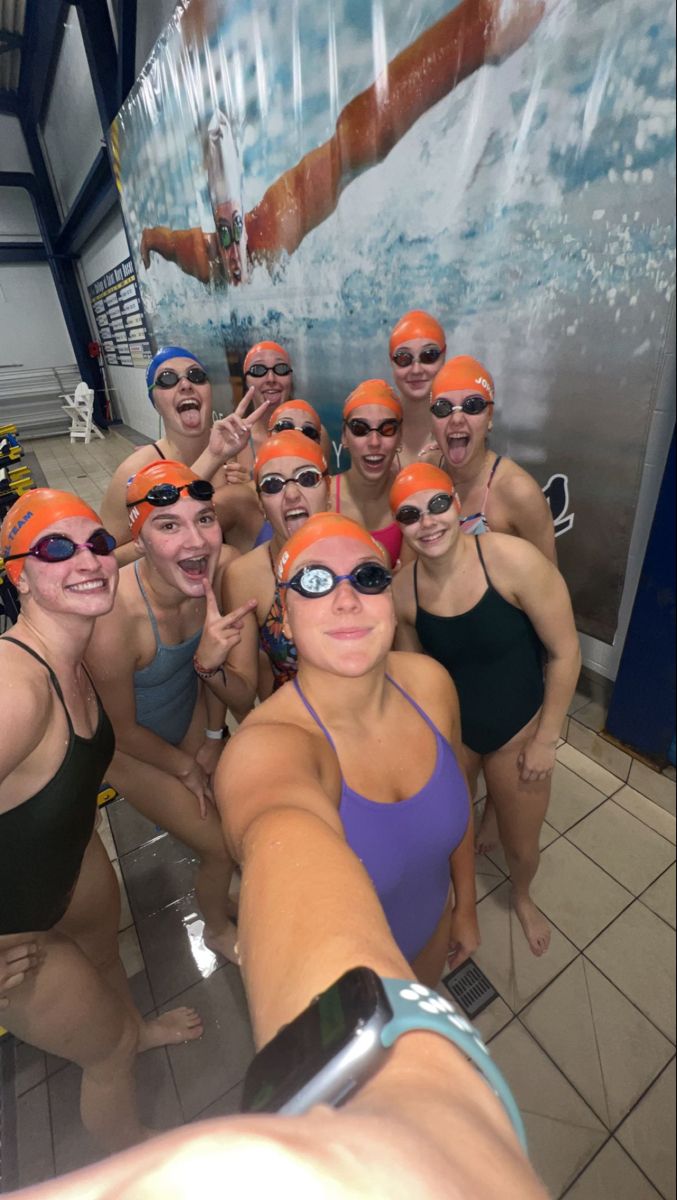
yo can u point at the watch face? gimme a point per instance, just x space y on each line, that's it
325 1052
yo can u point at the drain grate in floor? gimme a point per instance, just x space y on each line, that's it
470 988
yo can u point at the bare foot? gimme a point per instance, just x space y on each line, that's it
535 926
224 943
178 1025
486 838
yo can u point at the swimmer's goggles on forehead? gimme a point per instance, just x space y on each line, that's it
230 233
472 406
305 477
258 370
164 494
361 428
58 547
369 578
169 378
286 423
409 514
404 358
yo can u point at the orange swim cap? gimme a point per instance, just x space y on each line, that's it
461 374
162 471
419 477
33 513
286 409
259 348
291 443
372 391
319 528
417 324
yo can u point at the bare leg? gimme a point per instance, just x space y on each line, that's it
92 923
64 1007
164 799
520 809
487 834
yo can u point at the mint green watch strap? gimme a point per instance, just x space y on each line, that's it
418 1007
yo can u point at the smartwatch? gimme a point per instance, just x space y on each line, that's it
336 1044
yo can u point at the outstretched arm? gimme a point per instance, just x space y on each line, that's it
473 33
191 249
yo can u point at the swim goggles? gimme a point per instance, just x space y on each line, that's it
57 547
258 370
369 578
169 378
409 514
164 494
361 428
472 406
286 423
404 358
307 477
230 233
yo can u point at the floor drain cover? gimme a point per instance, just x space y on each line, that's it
470 988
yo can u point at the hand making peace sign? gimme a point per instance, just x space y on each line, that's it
231 434
219 633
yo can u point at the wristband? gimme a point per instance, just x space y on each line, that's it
417 1007
215 735
206 672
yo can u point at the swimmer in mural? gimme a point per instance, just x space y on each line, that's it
475 33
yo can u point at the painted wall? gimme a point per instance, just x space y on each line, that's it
13 153
17 217
127 385
72 131
32 329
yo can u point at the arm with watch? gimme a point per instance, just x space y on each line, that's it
332 998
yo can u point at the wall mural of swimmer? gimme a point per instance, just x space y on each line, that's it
308 173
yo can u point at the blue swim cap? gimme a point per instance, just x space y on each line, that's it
162 355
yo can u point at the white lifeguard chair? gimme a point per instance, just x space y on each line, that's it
80 409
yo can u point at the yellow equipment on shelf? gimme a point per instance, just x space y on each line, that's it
106 794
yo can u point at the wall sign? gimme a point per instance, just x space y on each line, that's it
120 322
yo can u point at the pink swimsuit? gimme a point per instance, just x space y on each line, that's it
390 537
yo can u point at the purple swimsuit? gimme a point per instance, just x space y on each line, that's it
405 846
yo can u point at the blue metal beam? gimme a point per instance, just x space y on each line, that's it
9 103
94 200
10 41
102 57
63 270
43 34
126 18
22 252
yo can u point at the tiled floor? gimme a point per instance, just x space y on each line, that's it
586 1034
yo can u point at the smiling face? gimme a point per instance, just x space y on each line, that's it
274 388
186 409
83 585
289 509
182 543
435 534
344 633
414 382
460 437
372 456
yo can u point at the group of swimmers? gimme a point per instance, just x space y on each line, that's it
229 567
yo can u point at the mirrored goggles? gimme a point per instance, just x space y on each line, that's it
360 428
409 514
369 578
472 406
258 370
404 358
164 494
307 477
230 233
57 547
169 378
286 423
